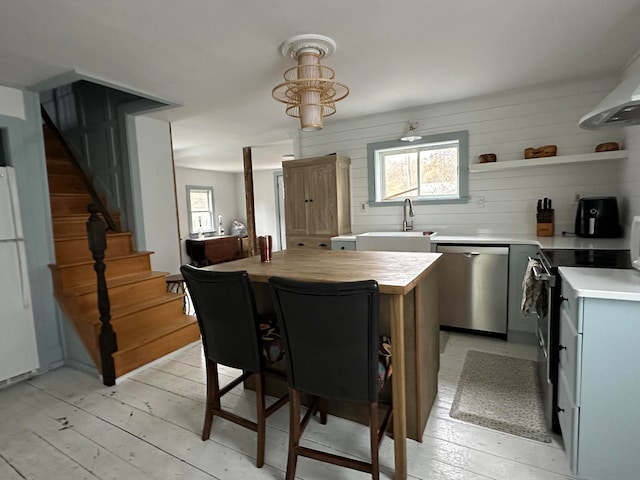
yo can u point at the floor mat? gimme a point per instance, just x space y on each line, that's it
501 393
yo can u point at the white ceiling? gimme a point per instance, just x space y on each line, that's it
220 59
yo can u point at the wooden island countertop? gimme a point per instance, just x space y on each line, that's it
396 272
408 312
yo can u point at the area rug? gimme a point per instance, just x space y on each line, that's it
444 338
501 393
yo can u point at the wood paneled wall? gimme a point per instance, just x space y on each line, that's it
504 124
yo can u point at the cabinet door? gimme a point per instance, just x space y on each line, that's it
322 199
295 201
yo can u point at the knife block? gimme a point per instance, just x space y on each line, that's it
544 224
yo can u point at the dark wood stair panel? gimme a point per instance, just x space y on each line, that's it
74 225
67 276
71 203
128 358
122 291
66 183
76 249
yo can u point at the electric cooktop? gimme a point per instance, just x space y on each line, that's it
587 258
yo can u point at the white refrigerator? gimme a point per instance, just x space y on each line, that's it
18 349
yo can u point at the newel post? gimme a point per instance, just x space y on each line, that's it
96 231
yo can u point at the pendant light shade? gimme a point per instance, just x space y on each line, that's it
309 89
411 135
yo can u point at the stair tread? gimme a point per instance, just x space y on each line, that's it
80 237
79 290
128 344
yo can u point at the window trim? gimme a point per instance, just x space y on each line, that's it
189 188
462 136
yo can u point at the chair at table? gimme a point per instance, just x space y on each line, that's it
330 334
233 335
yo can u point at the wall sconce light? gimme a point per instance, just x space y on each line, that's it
411 135
309 89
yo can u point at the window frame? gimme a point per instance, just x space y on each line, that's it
190 212
374 178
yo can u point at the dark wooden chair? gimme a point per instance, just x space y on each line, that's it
233 335
334 352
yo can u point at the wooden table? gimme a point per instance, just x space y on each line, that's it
408 311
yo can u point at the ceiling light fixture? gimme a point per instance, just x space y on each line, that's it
309 89
410 135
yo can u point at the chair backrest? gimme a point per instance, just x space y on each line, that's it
330 333
225 307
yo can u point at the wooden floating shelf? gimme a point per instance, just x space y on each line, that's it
539 162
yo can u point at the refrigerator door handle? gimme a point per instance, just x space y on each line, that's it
24 275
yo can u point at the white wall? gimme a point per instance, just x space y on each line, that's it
156 176
224 198
264 203
12 102
503 124
630 188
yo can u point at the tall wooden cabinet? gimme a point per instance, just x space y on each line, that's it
316 200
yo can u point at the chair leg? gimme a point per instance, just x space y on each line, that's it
260 419
323 407
373 432
294 433
213 398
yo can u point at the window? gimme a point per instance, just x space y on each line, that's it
200 208
431 170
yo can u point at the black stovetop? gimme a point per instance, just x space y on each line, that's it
587 258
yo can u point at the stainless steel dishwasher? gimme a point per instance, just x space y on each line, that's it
473 286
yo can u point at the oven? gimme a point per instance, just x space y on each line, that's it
547 332
548 323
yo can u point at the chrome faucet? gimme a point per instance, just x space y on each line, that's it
407 225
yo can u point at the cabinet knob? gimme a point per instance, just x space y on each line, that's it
558 409
561 347
311 199
563 299
323 245
299 244
306 201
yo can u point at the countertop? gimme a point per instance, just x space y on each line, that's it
557 242
606 283
340 266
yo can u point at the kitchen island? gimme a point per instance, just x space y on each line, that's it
408 313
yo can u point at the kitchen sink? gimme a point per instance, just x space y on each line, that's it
395 241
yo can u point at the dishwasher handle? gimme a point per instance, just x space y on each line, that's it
471 254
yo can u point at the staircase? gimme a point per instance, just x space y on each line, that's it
148 321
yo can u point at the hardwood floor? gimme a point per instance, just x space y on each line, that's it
67 425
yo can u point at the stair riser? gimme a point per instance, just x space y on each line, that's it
73 227
69 204
77 249
140 324
84 273
136 325
59 164
131 359
66 184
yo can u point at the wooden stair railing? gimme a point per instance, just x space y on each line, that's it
96 232
88 184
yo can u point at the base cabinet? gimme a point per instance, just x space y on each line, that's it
598 390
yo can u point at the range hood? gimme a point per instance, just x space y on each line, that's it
621 107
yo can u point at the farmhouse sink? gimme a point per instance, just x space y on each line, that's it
395 241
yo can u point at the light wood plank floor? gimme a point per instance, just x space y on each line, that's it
65 425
